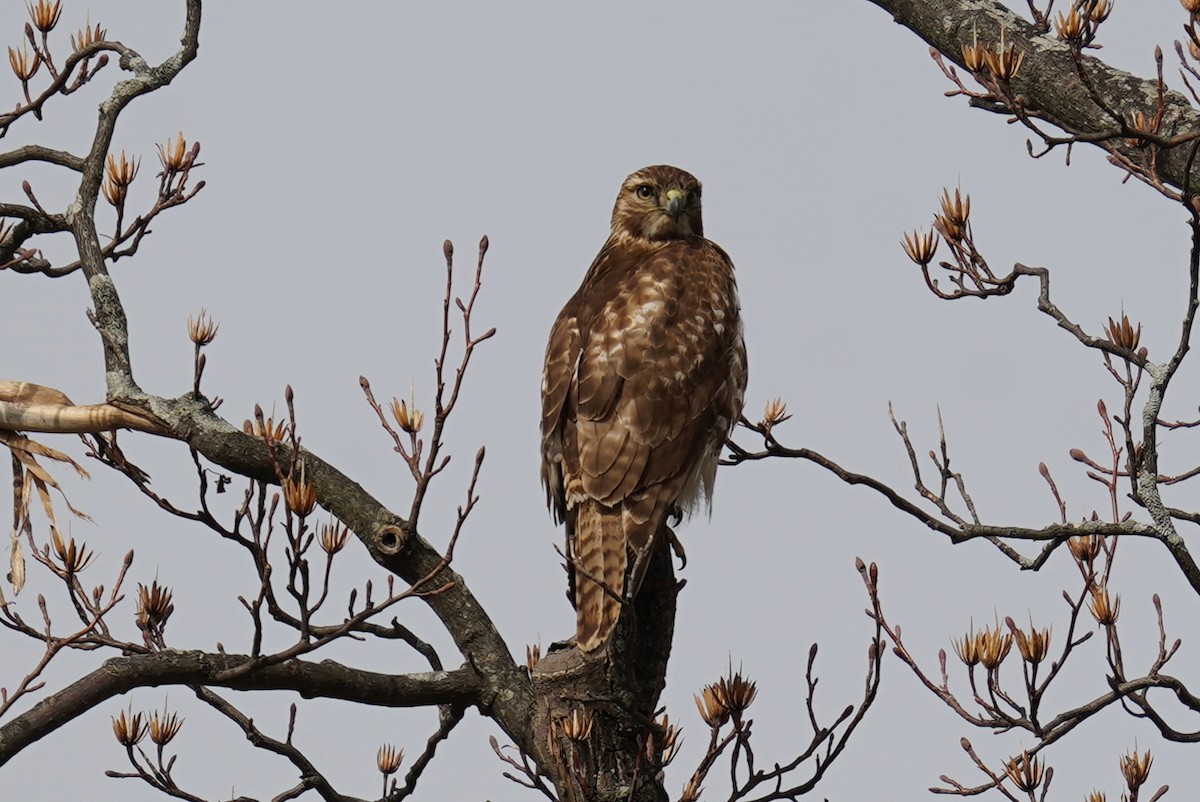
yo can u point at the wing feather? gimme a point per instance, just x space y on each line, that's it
643 381
638 366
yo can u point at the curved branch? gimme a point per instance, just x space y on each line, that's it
40 222
326 679
956 533
1182 693
60 82
41 153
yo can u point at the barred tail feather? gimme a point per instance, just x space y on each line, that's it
599 557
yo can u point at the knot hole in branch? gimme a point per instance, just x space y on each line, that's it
389 539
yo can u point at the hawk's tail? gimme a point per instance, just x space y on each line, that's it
599 556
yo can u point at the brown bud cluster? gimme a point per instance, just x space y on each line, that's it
712 708
726 698
22 65
1004 62
407 416
388 759
1070 27
774 413
87 35
266 430
202 329
299 494
921 246
1098 10
118 175
1135 769
164 727
130 729
1034 645
175 156
74 558
1122 333
973 54
1025 771
45 14
988 647
1104 607
997 648
578 725
333 537
670 741
1085 548
969 648
154 608
1078 26
954 216
533 656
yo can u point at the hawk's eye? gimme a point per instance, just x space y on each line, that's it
645 192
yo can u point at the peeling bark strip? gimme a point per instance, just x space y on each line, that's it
29 407
1048 82
70 419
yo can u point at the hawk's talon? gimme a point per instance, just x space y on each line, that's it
677 547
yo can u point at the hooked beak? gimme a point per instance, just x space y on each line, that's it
675 198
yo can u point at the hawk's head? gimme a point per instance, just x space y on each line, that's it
658 203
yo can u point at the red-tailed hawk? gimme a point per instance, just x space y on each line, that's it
644 379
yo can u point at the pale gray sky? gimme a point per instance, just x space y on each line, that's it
342 143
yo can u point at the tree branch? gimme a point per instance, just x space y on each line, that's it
1049 85
956 533
326 679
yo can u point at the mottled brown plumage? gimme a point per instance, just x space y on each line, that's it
644 377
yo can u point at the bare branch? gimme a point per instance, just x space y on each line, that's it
310 777
326 679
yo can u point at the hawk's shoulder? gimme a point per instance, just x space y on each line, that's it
636 359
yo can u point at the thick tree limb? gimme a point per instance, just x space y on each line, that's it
392 542
326 679
41 153
1048 82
